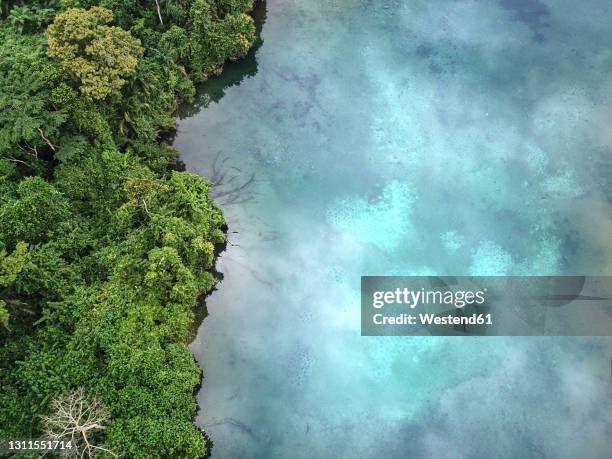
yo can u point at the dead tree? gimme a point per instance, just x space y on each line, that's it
229 184
74 418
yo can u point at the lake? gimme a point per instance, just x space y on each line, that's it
441 137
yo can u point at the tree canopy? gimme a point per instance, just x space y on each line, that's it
98 55
105 245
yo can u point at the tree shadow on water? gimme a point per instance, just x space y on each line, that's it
229 183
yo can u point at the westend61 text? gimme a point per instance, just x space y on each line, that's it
432 319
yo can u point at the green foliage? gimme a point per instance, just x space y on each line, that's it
175 44
34 214
165 437
28 18
10 266
98 55
104 249
213 41
30 123
235 6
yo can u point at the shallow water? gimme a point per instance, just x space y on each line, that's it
387 138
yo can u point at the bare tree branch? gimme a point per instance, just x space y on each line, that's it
74 415
145 207
161 21
45 139
15 160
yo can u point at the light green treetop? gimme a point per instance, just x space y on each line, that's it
98 55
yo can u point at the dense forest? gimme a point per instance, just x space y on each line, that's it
105 245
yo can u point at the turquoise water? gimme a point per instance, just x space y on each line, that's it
415 137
